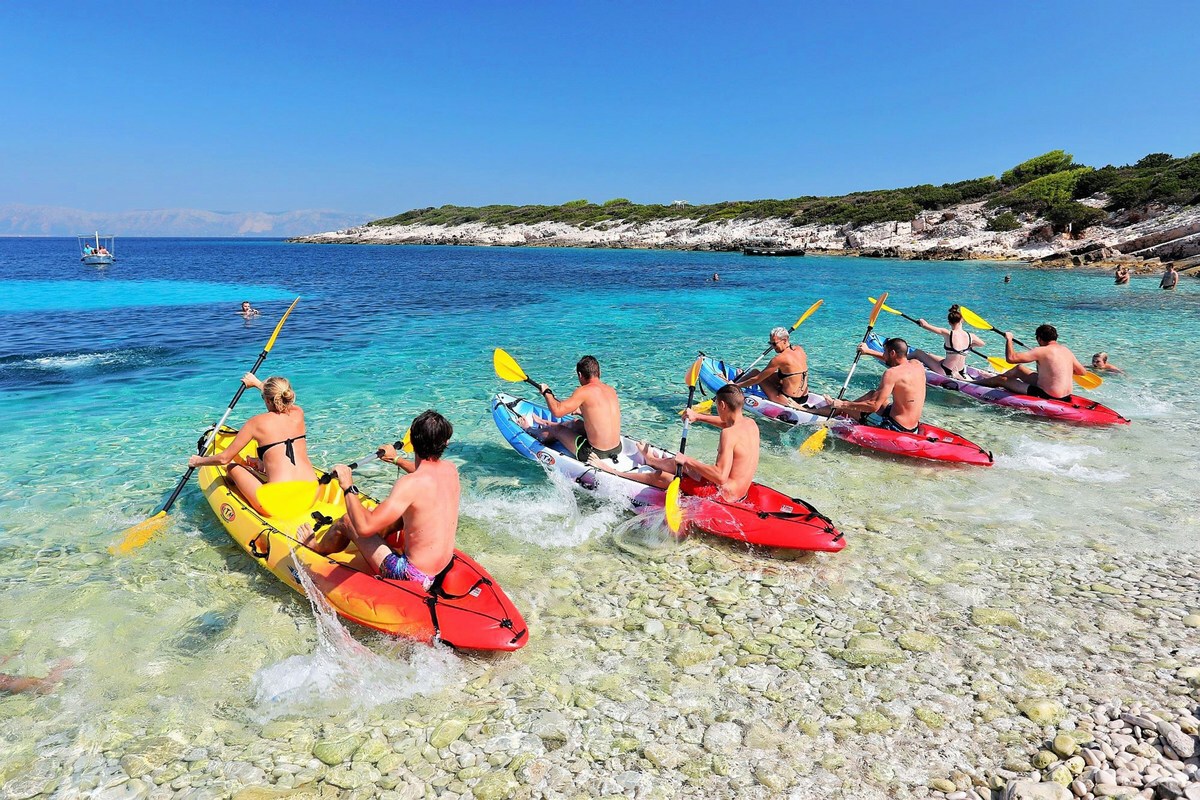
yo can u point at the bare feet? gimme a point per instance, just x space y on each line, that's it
306 536
600 463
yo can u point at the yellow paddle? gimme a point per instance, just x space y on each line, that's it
674 513
137 535
813 444
1088 380
507 369
706 406
998 364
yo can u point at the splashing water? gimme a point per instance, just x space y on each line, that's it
1060 459
551 518
343 674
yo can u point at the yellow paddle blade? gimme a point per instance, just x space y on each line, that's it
811 310
886 308
507 367
999 364
973 319
279 327
406 442
1089 381
139 534
702 407
673 511
878 307
815 443
288 499
693 373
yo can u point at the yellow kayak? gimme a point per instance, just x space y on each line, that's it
464 608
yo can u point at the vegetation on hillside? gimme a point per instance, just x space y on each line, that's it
1047 186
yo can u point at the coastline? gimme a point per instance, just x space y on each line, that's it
1144 244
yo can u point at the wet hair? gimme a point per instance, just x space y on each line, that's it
1101 356
245 302
588 367
431 433
731 396
1046 333
278 393
780 333
954 316
896 346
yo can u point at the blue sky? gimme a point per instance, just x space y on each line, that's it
380 107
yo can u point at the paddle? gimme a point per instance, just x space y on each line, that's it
814 443
674 513
507 369
404 444
1088 380
997 363
139 534
706 406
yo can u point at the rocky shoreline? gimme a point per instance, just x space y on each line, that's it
1143 240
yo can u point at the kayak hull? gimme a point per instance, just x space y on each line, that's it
768 518
928 442
1078 410
468 610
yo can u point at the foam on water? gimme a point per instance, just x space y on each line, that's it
549 516
1065 460
343 674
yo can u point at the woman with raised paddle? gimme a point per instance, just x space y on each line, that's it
784 379
957 343
284 455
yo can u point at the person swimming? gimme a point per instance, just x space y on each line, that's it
247 310
1100 363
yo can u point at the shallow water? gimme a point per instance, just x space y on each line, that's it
107 376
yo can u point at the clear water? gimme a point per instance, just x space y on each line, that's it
107 377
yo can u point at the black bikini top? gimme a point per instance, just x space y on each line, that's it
288 449
949 348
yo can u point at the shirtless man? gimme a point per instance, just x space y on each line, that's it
737 454
1170 278
903 382
409 536
784 379
1121 276
1055 366
247 310
599 429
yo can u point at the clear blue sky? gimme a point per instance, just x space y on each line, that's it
380 107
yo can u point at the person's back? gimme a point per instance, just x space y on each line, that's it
283 445
1055 368
431 520
908 392
601 412
792 364
743 438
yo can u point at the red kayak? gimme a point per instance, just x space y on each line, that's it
933 444
765 517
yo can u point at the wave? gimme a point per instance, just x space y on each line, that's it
1066 460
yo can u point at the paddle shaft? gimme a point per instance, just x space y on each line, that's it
687 424
328 476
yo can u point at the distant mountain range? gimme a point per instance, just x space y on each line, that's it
22 220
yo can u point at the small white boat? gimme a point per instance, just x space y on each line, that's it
97 250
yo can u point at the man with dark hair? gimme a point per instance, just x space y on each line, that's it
1170 278
409 536
737 454
1055 366
903 383
598 428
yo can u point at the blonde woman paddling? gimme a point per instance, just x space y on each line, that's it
283 456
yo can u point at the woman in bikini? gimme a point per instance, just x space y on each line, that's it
284 457
957 343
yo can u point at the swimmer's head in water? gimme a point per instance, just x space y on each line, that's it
245 305
588 368
278 393
1100 359
1046 333
954 316
431 433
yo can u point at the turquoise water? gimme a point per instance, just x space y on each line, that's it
108 377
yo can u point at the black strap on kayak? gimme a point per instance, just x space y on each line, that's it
260 546
808 516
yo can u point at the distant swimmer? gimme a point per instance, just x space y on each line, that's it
410 535
247 311
1007 279
1055 366
1121 276
785 377
716 277
284 457
1170 278
957 343
599 428
1100 363
737 454
903 384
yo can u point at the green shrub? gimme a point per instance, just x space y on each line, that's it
1006 221
1072 216
1045 164
617 201
1154 160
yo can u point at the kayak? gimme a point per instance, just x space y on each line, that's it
1076 409
465 608
764 517
928 442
